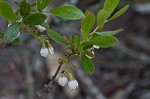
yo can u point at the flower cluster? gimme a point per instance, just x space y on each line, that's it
72 84
63 80
44 51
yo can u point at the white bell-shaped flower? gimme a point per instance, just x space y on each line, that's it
9 24
51 50
62 81
41 28
73 84
93 52
96 46
44 52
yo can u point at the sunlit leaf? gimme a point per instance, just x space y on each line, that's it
67 12
87 24
102 15
56 37
87 65
109 33
119 13
102 41
110 6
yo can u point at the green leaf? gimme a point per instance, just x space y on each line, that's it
12 32
45 3
38 4
1 35
119 13
87 45
41 4
77 43
16 41
87 24
56 37
24 8
102 15
109 33
6 11
104 41
68 12
88 65
110 6
35 19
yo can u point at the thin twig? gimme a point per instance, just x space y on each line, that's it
48 86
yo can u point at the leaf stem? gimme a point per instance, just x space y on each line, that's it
94 30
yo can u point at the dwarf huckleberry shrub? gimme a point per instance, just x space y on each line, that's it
29 16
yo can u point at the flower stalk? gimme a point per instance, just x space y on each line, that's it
47 87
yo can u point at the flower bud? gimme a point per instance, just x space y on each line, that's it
41 28
73 84
93 52
9 24
89 56
62 81
51 50
96 46
44 52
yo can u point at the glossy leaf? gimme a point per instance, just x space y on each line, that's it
88 65
109 33
119 13
24 8
56 37
68 12
45 3
6 11
41 4
35 19
12 32
104 41
87 24
110 6
102 15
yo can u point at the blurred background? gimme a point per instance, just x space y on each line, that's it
122 71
